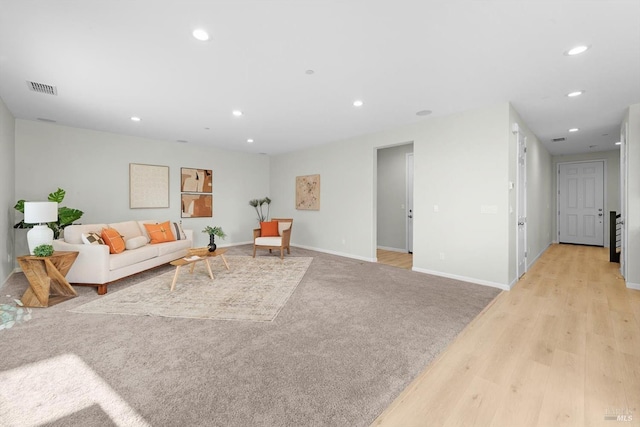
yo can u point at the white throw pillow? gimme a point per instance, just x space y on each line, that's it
135 242
283 226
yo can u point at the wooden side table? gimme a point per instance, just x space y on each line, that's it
46 276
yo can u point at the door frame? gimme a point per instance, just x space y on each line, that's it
521 211
409 201
624 167
605 231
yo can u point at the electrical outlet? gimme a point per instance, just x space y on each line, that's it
441 255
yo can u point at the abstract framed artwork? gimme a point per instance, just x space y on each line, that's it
308 192
196 205
196 180
148 186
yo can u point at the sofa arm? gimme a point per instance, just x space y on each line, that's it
91 265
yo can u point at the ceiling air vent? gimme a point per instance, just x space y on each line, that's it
42 88
558 139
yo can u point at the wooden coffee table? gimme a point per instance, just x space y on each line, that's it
46 276
197 255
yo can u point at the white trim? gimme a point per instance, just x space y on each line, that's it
408 182
464 279
15 270
326 251
635 286
386 248
533 261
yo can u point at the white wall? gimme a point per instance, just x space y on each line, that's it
7 192
612 184
632 220
392 197
461 164
93 167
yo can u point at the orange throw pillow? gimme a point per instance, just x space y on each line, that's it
160 233
113 239
269 229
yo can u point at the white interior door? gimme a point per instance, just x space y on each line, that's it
623 200
581 203
522 205
410 203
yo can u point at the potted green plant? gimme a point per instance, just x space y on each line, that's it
257 204
43 250
66 216
213 232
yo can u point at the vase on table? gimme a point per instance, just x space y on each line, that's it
212 243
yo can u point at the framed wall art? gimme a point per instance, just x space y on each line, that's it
196 205
308 192
196 180
148 186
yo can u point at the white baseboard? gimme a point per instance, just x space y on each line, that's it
635 286
533 261
386 248
502 286
334 253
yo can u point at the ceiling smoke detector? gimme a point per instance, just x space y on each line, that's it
558 139
42 88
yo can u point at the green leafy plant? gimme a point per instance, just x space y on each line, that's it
216 231
66 216
257 204
43 250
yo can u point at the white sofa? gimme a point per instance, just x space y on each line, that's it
95 266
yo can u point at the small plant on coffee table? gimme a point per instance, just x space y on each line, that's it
213 232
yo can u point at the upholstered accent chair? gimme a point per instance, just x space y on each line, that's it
268 237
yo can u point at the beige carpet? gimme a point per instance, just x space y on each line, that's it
254 289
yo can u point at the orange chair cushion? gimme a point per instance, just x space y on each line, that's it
113 239
269 229
160 233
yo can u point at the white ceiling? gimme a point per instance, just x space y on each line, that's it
111 60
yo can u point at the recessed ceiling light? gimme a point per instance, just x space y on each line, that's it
249 141
200 34
574 130
42 119
619 143
424 112
309 72
358 103
577 50
135 119
237 113
576 93
182 141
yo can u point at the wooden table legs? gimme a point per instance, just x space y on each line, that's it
46 276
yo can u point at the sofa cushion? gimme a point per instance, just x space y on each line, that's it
113 239
175 246
135 243
127 229
92 239
73 233
134 256
176 227
160 233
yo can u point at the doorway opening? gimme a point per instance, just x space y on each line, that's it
394 208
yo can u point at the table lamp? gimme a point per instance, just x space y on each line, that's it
40 213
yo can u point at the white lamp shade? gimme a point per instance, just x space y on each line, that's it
40 212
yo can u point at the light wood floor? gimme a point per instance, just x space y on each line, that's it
396 259
562 348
